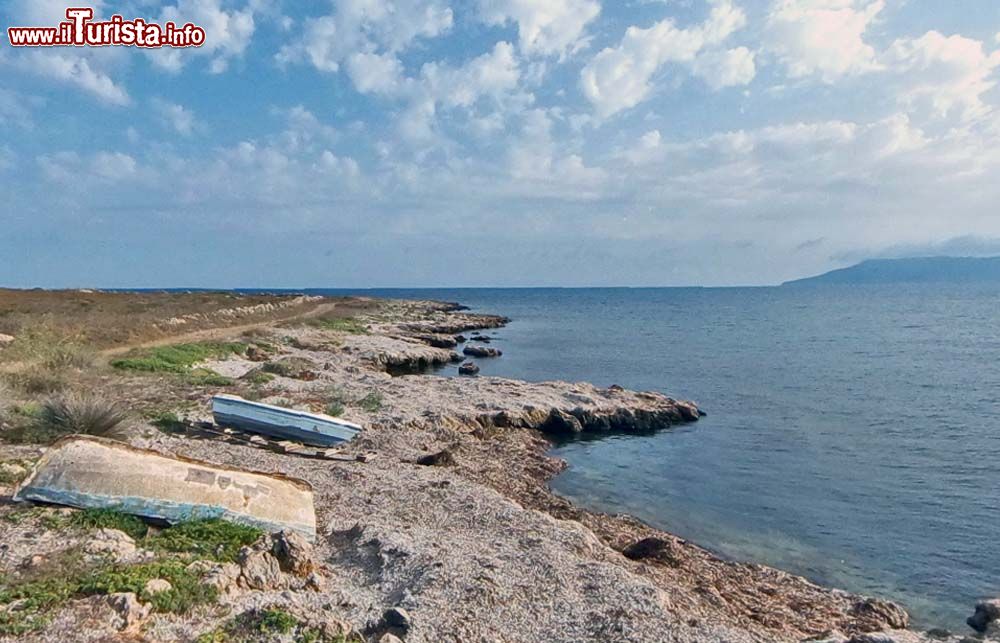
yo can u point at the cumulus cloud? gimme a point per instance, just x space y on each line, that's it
619 78
366 27
824 38
177 117
949 74
544 28
229 33
77 68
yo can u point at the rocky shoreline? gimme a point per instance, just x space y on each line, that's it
449 519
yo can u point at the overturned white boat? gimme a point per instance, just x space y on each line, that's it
281 423
89 472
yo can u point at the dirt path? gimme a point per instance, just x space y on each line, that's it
210 334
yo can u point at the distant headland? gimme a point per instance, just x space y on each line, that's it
911 270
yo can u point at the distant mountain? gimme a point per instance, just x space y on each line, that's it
915 270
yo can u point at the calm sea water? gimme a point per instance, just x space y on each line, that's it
852 431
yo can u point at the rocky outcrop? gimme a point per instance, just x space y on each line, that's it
437 341
482 351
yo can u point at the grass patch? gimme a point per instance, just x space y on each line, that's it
269 624
207 377
38 382
186 590
167 421
335 409
347 325
371 402
212 538
178 358
110 519
258 377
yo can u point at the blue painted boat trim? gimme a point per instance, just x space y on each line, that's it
172 512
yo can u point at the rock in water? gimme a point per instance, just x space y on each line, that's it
468 368
482 351
986 613
876 614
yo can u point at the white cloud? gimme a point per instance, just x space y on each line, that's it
491 74
948 74
76 68
726 68
545 28
375 73
823 37
228 33
620 77
365 26
175 116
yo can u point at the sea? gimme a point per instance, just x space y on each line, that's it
852 431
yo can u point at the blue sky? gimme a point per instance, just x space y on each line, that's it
361 143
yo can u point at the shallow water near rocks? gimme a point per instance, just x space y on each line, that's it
851 435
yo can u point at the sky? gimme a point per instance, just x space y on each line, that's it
409 143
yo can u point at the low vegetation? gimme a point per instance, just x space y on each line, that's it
44 423
293 367
177 358
67 575
269 624
346 325
110 519
371 402
210 538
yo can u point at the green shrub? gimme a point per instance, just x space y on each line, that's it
347 325
210 538
110 519
335 408
371 402
186 590
207 377
258 377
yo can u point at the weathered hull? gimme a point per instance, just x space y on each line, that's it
88 472
281 423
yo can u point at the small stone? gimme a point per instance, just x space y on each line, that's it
5 339
157 586
315 582
468 368
397 617
390 638
132 612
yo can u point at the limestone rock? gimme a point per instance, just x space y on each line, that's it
132 612
294 553
111 542
390 638
259 569
222 576
876 614
482 351
5 339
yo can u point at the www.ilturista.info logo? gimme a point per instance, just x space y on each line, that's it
79 30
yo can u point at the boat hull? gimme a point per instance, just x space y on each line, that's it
281 423
89 472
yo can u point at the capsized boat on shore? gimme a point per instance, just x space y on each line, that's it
278 422
90 472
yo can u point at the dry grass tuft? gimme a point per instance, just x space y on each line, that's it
86 414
